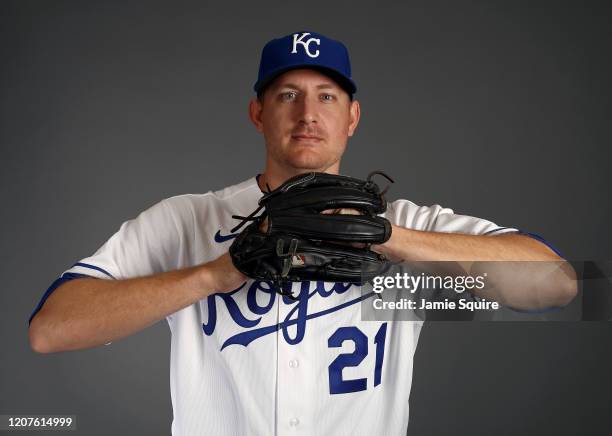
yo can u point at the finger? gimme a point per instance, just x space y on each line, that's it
342 211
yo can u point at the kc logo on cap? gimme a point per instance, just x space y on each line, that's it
305 44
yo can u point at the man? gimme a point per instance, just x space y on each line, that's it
244 359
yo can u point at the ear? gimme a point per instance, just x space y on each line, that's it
255 111
354 116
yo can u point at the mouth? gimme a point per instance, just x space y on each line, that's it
306 138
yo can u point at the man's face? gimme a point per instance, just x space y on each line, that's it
306 119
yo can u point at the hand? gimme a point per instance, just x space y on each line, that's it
222 275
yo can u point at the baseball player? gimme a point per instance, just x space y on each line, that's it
244 359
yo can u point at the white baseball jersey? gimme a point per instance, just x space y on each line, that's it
252 362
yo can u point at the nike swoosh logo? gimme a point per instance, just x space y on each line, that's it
222 238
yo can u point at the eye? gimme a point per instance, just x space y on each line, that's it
288 96
328 97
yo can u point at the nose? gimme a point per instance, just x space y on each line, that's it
307 110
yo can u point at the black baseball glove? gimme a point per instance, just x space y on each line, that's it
306 239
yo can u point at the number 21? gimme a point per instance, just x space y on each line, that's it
337 385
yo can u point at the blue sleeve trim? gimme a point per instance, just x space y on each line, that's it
66 277
543 241
496 230
97 268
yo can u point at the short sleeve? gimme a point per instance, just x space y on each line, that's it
436 218
145 245
148 244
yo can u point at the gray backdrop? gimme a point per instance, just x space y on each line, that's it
492 109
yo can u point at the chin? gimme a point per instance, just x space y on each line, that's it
308 161
308 166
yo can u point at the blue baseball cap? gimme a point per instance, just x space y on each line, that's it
305 50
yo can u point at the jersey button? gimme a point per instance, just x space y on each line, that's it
294 363
293 422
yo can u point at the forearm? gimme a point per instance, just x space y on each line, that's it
88 312
521 272
420 246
